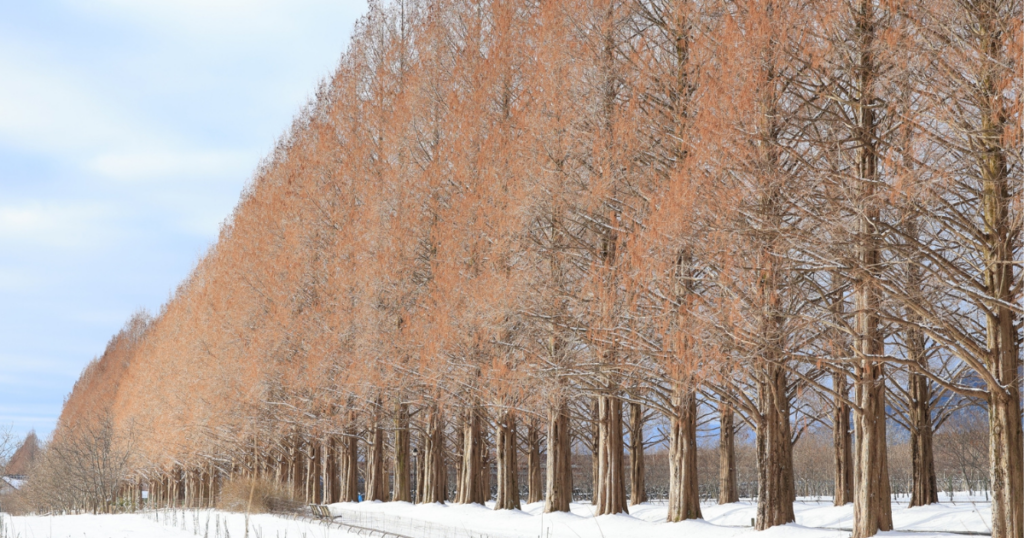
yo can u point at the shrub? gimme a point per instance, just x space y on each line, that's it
265 495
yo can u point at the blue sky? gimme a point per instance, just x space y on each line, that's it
127 131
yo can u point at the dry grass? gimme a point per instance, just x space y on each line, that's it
265 494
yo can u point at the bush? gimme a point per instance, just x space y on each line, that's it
266 495
16 503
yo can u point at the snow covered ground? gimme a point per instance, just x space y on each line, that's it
167 524
815 519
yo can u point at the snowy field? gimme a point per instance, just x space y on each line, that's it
815 519
205 523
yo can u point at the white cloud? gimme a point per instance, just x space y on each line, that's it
44 110
16 367
54 224
168 164
222 19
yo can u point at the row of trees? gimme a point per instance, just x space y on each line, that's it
502 228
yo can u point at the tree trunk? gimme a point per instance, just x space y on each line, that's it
872 503
460 445
349 468
435 473
485 461
309 480
559 462
316 464
1003 342
1002 236
420 455
376 486
683 485
637 486
925 489
774 447
470 486
508 464
401 490
611 479
295 467
842 442
872 506
332 473
1005 457
535 491
595 451
728 491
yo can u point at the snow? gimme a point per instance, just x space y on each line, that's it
167 524
814 519
15 483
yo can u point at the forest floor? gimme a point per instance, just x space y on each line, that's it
814 519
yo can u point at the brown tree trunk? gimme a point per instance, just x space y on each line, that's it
535 490
508 464
872 503
595 453
1005 455
1002 235
611 479
683 485
842 442
774 445
317 461
1003 345
309 457
638 488
332 474
485 461
295 471
925 489
559 462
728 490
420 454
349 468
872 506
445 476
401 490
435 473
470 489
459 457
376 486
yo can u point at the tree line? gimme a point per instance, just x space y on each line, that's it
521 230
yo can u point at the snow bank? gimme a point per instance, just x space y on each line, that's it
167 524
814 519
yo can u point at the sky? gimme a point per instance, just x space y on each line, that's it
128 129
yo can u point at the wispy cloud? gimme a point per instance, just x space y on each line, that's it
220 19
168 164
44 109
65 225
